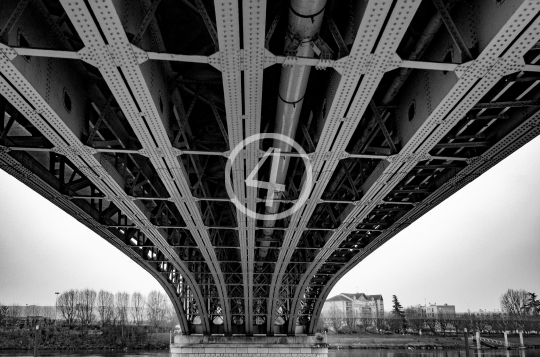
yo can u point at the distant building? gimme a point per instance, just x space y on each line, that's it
433 310
357 305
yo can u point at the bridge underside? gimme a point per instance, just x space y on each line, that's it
123 114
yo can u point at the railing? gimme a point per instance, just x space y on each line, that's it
496 342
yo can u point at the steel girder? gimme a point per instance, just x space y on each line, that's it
64 137
345 113
30 178
42 116
269 59
233 60
228 23
525 132
254 27
503 55
120 66
138 84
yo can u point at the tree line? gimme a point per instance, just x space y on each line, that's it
86 309
520 310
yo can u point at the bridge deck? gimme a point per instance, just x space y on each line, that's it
126 113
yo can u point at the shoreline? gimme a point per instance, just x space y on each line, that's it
413 342
64 342
334 342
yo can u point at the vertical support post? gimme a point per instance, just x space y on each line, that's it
466 335
478 346
506 339
36 341
521 344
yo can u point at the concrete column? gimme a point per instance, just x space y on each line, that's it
506 339
245 346
478 345
466 334
521 344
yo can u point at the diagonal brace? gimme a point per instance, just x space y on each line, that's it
382 126
453 30
146 21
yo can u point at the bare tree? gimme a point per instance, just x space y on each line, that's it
172 319
502 321
444 321
137 308
415 318
67 304
121 305
513 301
85 300
105 307
31 312
48 313
14 315
432 323
336 316
3 314
351 319
156 308
459 321
366 321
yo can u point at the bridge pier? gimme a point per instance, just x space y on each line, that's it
243 346
521 343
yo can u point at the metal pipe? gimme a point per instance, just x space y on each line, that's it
305 20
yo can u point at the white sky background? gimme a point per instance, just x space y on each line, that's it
467 251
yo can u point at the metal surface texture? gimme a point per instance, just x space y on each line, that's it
125 114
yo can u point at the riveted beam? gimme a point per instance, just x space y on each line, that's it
119 65
228 24
148 17
39 112
525 132
6 29
346 106
453 30
501 56
208 23
269 58
30 177
254 27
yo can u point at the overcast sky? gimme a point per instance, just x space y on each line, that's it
465 252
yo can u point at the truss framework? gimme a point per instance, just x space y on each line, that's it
211 270
481 76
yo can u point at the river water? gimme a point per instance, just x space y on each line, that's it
332 353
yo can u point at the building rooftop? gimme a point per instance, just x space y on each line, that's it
338 298
348 296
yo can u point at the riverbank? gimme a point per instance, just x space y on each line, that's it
425 342
25 341
373 341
